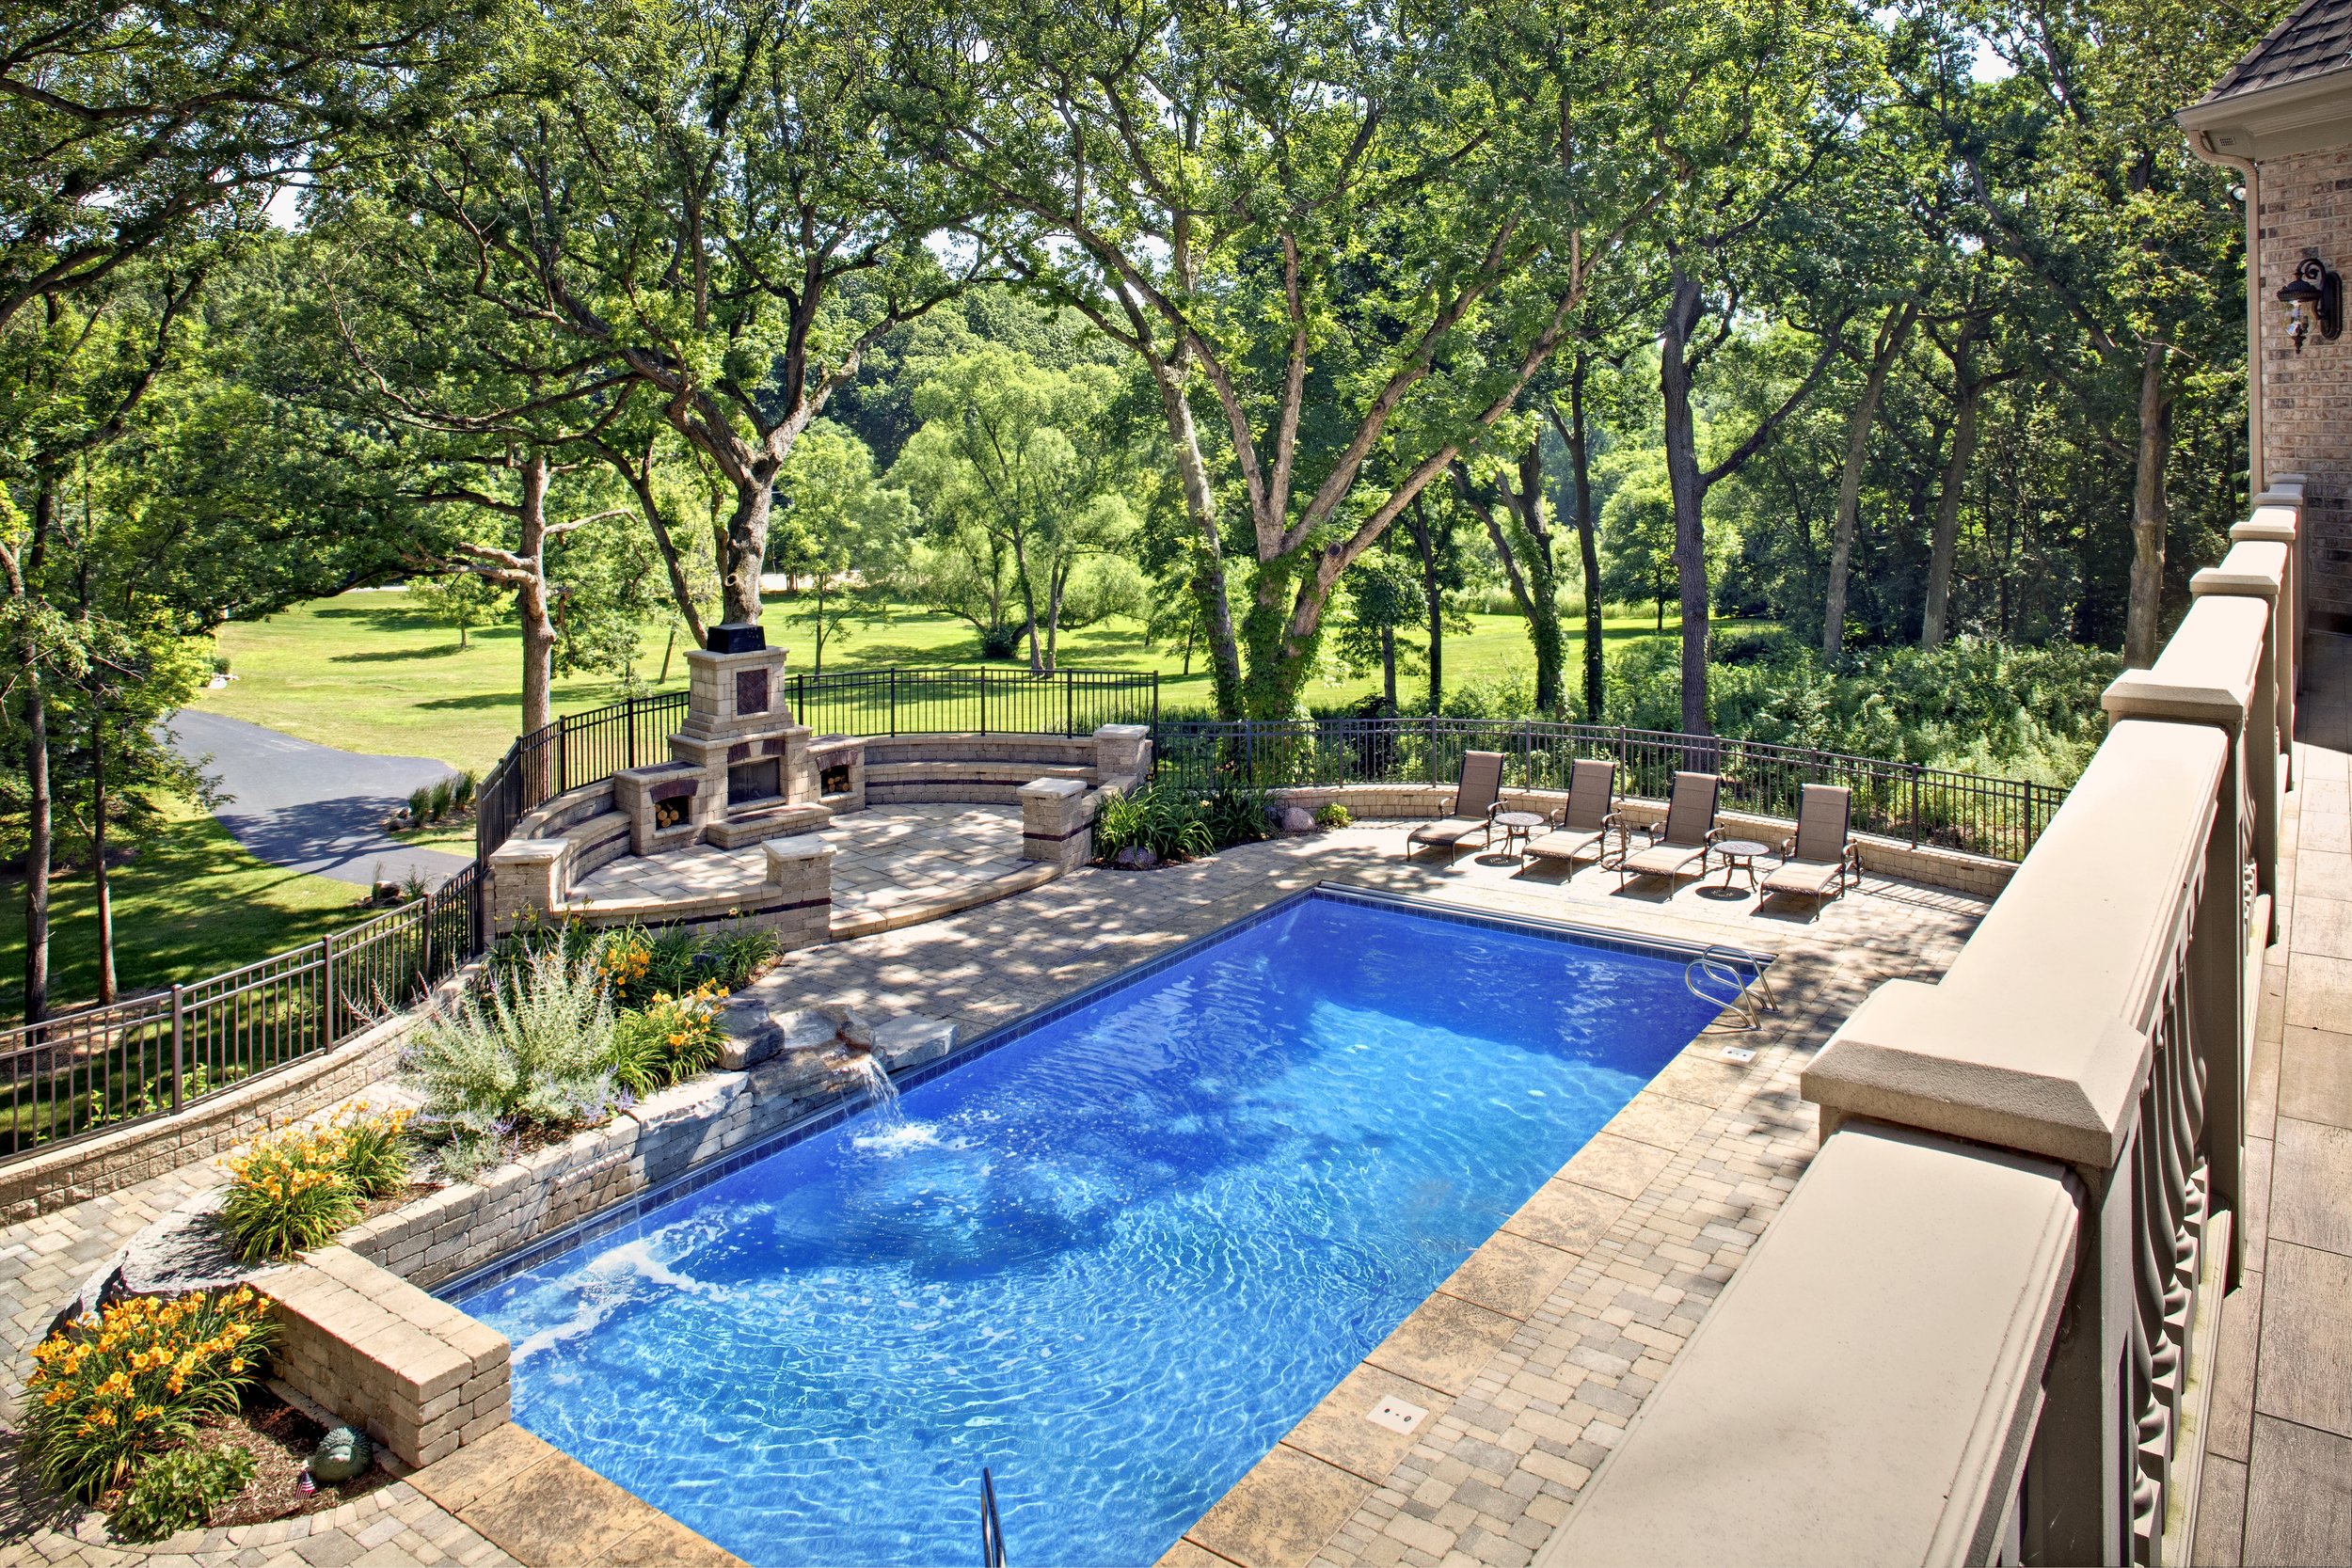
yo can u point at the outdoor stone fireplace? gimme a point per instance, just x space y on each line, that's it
742 769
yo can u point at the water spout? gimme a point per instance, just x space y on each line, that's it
890 1121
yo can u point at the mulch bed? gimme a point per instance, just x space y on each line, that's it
282 1440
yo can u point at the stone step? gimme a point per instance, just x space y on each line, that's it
755 823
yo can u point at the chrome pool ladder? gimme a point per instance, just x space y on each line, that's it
1732 980
991 1528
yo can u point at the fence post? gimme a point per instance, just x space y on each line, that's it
983 699
1914 805
1155 707
1069 704
1433 749
629 719
326 982
179 1036
893 699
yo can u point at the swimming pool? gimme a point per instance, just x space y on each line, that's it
1113 1258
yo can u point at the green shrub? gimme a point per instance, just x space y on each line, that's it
179 1490
1236 815
741 954
1332 815
531 1051
287 1195
374 1156
420 806
1162 817
436 800
108 1390
462 790
671 1041
1000 642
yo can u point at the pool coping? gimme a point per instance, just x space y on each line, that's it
618 1216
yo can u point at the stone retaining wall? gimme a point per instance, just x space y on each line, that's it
662 1136
1977 875
419 1376
73 1172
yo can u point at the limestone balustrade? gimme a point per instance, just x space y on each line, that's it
1969 1335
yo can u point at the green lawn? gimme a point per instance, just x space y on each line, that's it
192 904
369 672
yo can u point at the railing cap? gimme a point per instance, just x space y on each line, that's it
2206 674
2252 569
2280 525
1864 1390
2034 1038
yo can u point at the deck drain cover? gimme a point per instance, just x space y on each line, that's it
1739 1054
1396 1415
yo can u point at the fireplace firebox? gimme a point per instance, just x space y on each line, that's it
753 780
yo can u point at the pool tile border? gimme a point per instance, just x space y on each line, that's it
617 1217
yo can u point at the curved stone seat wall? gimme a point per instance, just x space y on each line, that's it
980 770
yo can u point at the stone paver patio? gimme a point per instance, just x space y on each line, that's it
887 861
1531 1361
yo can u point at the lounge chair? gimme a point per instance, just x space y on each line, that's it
1586 821
1687 835
1817 862
1476 798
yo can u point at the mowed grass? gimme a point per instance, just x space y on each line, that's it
192 903
371 671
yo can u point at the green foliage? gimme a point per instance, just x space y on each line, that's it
421 804
529 1050
437 800
293 1191
1236 815
842 527
108 1390
1974 706
1166 819
179 1490
1332 815
672 1039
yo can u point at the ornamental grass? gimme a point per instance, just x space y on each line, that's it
108 1391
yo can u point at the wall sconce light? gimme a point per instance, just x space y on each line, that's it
2313 292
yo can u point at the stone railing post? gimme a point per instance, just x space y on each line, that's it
2276 518
2040 1041
528 879
800 869
2258 571
1057 822
1122 751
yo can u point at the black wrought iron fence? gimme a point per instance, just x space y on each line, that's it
85 1072
1999 817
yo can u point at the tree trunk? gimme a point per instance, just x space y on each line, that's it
1058 580
1028 602
40 815
1207 577
99 886
1587 539
1433 600
1388 665
531 599
1690 495
1893 333
818 662
2149 511
746 541
1525 552
1945 543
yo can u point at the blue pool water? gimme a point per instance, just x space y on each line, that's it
1113 1260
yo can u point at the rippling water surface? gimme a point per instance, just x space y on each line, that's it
1114 1260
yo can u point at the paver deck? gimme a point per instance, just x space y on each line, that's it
886 860
1530 1364
2278 1477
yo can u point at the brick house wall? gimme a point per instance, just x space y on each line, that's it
2307 399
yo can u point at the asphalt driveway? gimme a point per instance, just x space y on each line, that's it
312 808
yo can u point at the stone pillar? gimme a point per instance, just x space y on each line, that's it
1122 751
1057 822
800 889
527 878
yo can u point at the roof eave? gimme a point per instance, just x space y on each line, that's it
2300 115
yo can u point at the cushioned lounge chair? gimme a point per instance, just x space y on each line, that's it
1476 797
1817 862
1584 824
1683 840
